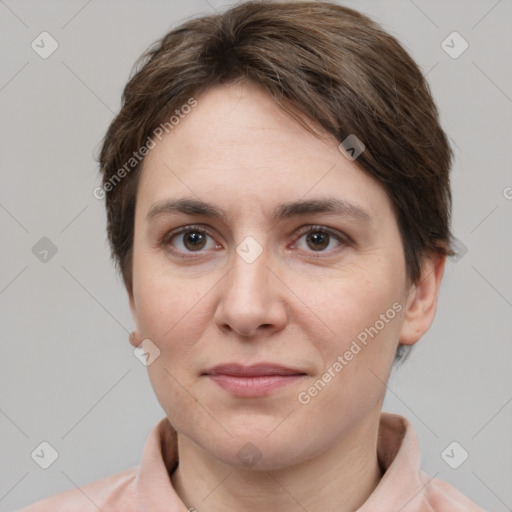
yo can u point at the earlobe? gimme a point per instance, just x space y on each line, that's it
135 339
421 301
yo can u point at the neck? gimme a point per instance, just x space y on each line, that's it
338 480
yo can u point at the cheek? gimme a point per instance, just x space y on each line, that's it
171 314
358 356
363 309
170 310
352 304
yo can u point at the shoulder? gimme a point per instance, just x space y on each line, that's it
444 497
115 492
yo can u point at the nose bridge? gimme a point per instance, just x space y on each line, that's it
249 298
248 278
250 258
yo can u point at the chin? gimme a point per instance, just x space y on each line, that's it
261 455
262 445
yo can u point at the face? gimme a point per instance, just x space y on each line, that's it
257 243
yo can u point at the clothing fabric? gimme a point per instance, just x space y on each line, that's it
148 487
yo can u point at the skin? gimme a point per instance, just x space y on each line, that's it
295 305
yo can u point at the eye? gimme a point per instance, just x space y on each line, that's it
320 238
193 239
189 239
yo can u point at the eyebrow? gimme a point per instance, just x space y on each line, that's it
284 211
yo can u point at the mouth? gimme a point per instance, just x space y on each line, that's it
252 381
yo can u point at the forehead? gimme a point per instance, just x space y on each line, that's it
238 145
239 126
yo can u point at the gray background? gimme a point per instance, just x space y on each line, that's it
67 372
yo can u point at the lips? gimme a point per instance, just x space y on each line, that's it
257 380
255 370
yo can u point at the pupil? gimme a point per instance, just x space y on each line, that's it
320 240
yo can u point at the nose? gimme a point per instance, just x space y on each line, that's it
252 299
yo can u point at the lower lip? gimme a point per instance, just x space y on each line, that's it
253 386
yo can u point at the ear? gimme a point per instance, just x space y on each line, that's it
134 335
421 302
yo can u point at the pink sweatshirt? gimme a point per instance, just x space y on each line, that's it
148 488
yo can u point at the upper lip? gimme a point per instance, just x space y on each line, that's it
253 370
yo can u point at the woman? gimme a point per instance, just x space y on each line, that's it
278 203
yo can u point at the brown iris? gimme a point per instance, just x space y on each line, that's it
194 240
319 240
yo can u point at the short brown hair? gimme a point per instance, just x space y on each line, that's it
332 64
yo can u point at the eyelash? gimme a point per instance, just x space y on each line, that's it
344 240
